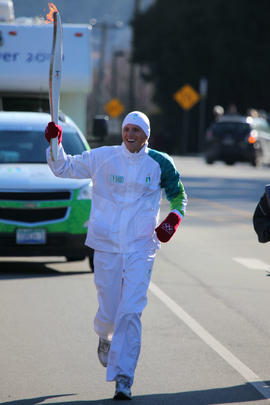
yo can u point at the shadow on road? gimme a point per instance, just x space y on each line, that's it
26 269
226 395
38 400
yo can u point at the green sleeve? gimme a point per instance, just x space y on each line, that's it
170 181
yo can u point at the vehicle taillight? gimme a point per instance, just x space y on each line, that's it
78 34
13 33
252 137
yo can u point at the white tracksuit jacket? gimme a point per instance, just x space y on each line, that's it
126 194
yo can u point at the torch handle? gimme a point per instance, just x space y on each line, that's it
55 77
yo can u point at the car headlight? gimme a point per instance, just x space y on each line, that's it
85 192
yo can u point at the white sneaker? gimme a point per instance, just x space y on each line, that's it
122 389
103 351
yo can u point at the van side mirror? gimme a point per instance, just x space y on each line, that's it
100 126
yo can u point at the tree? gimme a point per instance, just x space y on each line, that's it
226 42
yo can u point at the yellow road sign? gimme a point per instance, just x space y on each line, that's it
186 97
114 108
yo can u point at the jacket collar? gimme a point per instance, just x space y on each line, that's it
134 156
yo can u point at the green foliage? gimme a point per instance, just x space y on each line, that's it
227 42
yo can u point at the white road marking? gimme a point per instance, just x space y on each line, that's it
212 342
252 263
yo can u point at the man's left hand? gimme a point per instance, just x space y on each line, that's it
168 227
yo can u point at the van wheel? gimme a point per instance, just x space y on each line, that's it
74 258
91 260
209 158
229 162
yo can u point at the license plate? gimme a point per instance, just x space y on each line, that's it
31 236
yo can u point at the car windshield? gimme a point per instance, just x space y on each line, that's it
30 146
237 128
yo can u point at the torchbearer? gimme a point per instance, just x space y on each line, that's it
55 77
123 231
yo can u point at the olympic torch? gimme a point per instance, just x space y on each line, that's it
55 77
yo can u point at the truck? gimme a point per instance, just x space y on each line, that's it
25 51
41 215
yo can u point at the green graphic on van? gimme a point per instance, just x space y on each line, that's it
74 221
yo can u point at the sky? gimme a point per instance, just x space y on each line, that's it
82 11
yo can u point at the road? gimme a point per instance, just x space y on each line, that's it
206 329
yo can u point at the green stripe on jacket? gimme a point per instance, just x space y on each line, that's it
170 181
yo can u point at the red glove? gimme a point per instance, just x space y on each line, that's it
168 227
52 131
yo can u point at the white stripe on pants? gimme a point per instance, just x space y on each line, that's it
122 281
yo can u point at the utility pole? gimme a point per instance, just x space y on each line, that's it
114 73
132 76
104 30
104 27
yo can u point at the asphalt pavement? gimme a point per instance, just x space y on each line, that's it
206 328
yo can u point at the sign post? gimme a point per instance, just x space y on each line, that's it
203 94
186 97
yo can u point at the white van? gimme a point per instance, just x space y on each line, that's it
40 214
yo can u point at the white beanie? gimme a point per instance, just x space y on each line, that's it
140 119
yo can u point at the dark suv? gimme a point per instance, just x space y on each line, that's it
234 138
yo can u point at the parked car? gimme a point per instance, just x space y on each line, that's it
40 214
234 138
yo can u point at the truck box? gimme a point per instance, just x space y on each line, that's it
25 50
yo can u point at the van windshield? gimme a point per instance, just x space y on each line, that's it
19 146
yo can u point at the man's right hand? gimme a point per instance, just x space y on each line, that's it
52 131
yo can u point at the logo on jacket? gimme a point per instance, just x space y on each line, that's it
148 179
116 179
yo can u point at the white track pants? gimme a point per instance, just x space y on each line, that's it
122 281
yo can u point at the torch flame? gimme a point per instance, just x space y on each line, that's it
49 16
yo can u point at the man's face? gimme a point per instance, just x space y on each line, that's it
133 137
